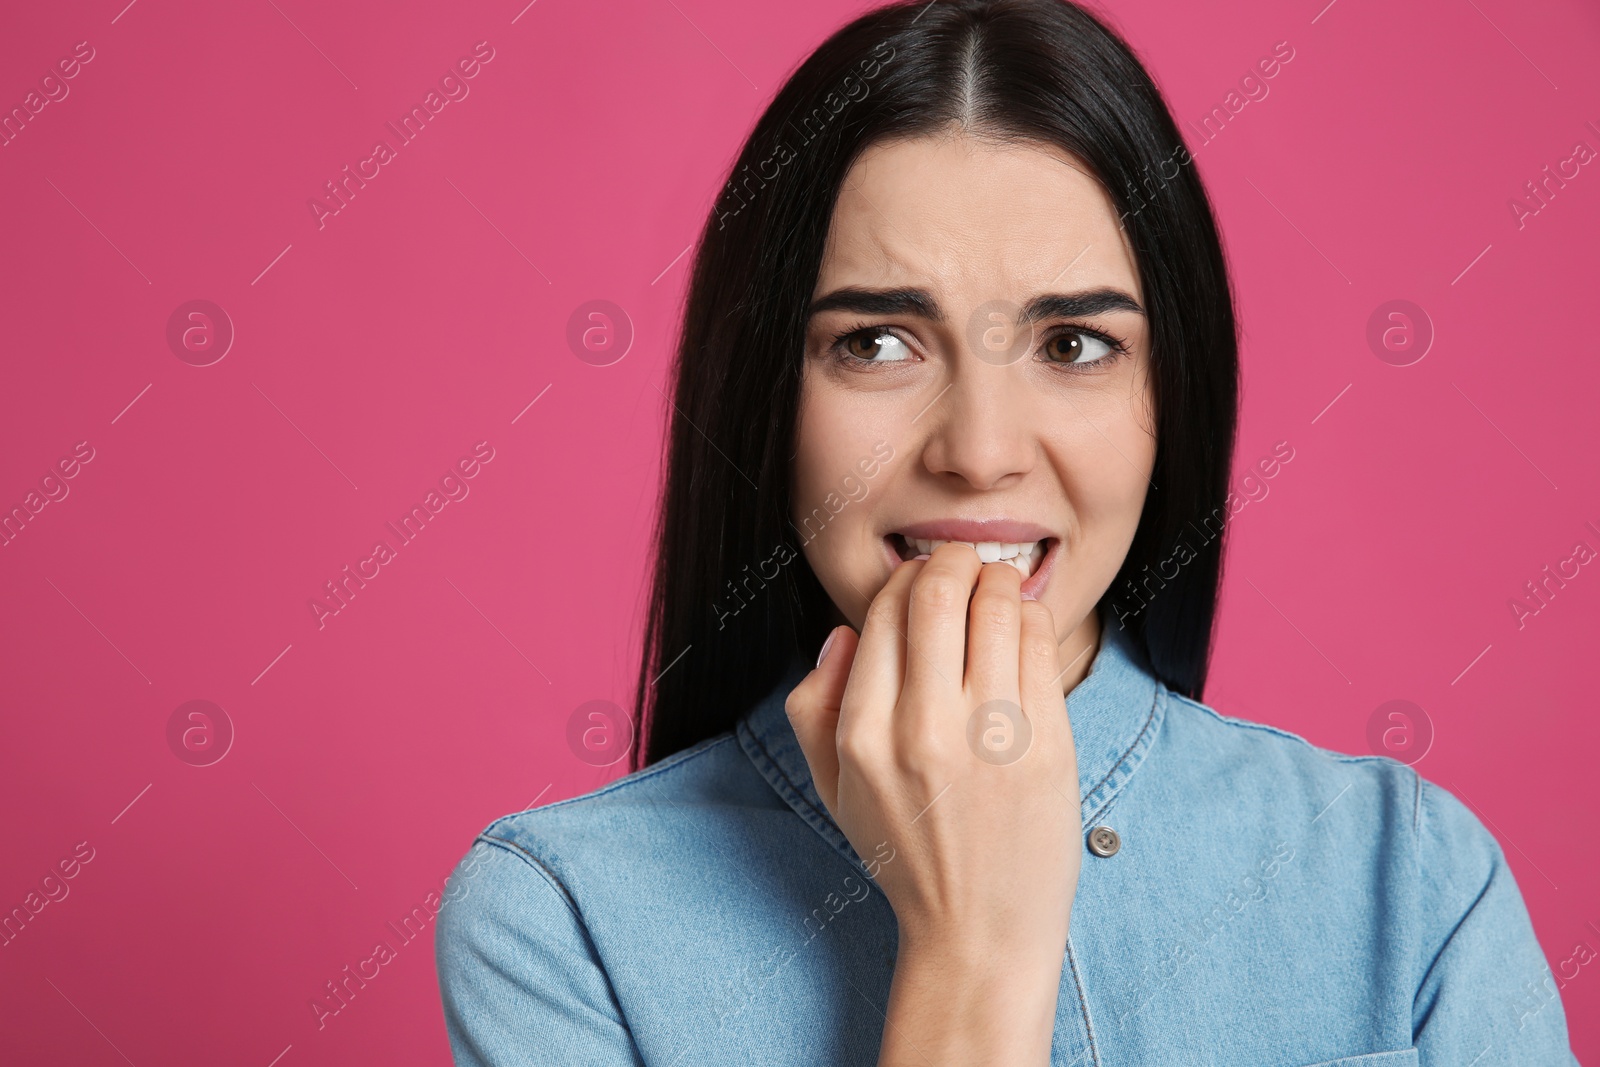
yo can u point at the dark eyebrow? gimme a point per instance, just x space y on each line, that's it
919 302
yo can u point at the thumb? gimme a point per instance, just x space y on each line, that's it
813 709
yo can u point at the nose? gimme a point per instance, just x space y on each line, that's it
980 431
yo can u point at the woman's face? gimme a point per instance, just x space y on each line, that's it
976 369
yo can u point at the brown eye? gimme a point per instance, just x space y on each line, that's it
1076 347
875 346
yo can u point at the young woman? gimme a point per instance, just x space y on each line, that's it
954 404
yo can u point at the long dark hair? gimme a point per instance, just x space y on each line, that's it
721 628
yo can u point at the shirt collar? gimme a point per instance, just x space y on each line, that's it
1116 712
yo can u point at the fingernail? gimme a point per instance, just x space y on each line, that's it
1029 596
827 645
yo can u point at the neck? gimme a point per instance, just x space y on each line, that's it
1077 651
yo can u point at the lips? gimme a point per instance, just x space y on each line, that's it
1030 548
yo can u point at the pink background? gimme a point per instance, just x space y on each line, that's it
372 353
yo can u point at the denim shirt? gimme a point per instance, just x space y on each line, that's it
1271 904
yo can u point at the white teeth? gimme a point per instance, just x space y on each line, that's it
1018 554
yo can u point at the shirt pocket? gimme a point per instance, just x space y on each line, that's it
1400 1057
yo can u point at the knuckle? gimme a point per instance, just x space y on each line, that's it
1038 634
1037 618
853 748
1039 650
920 760
938 593
885 604
993 610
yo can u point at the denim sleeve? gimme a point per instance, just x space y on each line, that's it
1488 996
518 974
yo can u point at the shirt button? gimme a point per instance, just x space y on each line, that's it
1103 841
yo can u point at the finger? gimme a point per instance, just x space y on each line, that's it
813 710
880 657
936 625
994 635
1039 673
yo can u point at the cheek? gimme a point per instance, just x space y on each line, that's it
1104 446
1104 451
1123 480
832 503
818 449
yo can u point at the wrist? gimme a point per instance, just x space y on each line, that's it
1023 950
961 1004
989 965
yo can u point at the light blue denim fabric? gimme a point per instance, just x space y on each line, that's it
1272 904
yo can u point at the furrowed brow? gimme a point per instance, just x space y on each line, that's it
1078 305
921 303
903 301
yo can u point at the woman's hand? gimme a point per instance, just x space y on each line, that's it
965 811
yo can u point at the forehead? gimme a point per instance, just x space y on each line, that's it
976 219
